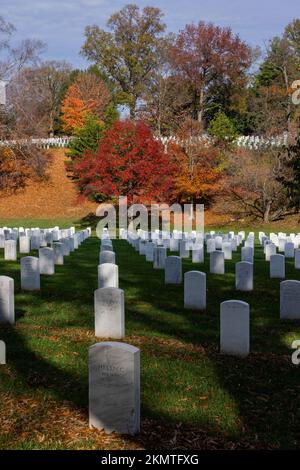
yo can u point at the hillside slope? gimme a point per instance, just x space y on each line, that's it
56 197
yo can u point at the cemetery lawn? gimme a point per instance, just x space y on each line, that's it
192 397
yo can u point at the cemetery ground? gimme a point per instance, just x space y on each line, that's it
191 396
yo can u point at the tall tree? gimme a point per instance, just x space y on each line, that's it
281 66
128 53
14 57
203 53
35 94
87 95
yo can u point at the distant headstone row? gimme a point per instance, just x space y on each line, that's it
32 267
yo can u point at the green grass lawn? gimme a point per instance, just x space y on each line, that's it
192 397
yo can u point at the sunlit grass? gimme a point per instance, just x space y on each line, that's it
184 379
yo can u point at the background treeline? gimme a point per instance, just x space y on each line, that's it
202 80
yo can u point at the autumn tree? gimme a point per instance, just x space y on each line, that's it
198 172
204 54
129 162
271 97
253 183
34 96
87 95
289 175
128 53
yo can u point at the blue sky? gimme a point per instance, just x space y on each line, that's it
61 23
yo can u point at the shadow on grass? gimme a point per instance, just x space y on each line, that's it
184 378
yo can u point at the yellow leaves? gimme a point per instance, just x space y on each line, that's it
87 95
198 173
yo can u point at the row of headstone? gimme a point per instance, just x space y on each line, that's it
114 368
244 269
34 239
109 307
31 269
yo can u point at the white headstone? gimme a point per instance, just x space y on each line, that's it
210 245
66 246
30 273
114 388
277 266
289 250
227 250
173 270
183 249
247 254
195 290
244 276
270 251
46 257
218 242
107 257
109 313
159 257
35 242
217 265
24 243
10 250
174 244
108 275
198 254
297 259
149 251
290 300
58 252
235 328
7 300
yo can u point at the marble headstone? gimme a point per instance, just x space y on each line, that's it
244 276
114 388
195 290
290 300
109 313
46 257
173 270
277 266
108 275
235 328
217 264
7 301
30 273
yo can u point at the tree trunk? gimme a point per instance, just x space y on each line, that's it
201 105
267 212
289 107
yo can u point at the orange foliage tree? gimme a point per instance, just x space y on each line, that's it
87 95
198 172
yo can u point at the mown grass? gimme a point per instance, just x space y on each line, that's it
191 395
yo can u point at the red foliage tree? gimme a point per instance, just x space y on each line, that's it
206 55
129 162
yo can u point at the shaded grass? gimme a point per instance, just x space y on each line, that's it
192 397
